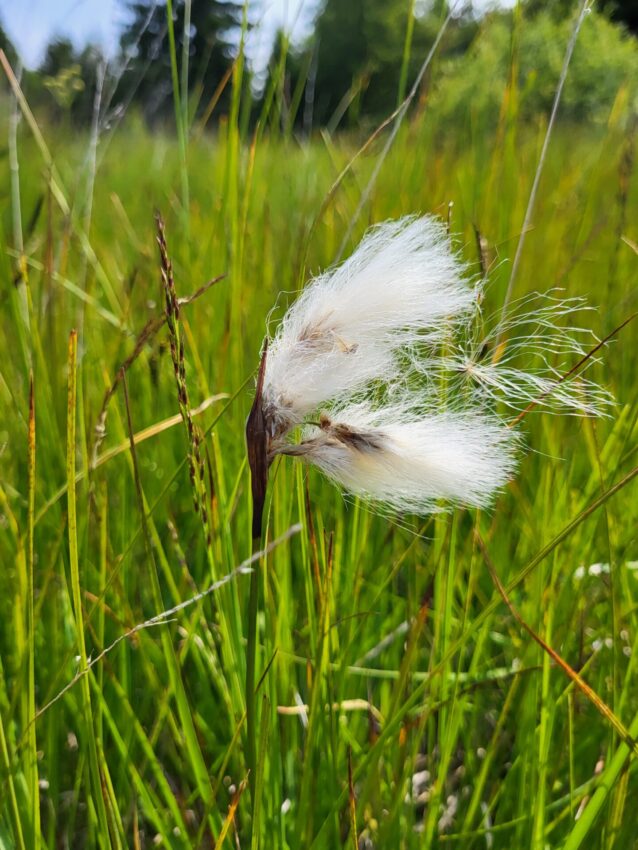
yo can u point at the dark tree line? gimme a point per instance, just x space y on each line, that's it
359 59
209 40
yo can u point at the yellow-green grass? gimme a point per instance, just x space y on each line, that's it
392 634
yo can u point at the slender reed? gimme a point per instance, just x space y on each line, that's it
398 115
585 6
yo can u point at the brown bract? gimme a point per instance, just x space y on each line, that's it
333 433
257 447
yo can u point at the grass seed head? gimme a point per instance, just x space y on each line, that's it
390 351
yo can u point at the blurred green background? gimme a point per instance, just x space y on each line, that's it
401 703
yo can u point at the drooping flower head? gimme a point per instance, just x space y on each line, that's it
377 357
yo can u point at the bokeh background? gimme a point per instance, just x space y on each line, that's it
401 702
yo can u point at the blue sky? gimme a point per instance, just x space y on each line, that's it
31 24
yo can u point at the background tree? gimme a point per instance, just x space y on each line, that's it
620 11
213 37
7 46
358 45
65 82
353 61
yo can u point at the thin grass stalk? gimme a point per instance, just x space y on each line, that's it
14 169
257 459
186 42
195 458
312 731
398 121
259 772
232 179
179 117
102 523
150 541
91 171
298 94
34 786
585 7
7 777
407 45
151 793
76 592
352 805
20 289
16 210
613 586
251 655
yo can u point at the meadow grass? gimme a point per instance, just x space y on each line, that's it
400 702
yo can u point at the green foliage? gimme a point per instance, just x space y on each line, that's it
357 51
605 62
64 85
359 47
382 654
623 12
7 46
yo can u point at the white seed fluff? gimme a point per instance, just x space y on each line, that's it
402 285
388 363
410 464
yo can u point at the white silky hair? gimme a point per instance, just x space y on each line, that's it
410 463
392 352
402 285
532 367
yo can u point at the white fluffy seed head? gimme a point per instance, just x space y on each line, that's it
402 285
391 457
390 352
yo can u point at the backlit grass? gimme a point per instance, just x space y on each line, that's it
385 651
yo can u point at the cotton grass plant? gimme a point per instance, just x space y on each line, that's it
392 695
375 364
398 399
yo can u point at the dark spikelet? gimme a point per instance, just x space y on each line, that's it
196 468
364 442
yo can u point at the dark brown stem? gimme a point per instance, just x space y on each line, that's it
257 447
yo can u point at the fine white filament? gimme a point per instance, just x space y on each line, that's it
386 360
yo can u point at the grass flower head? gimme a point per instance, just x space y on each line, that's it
380 361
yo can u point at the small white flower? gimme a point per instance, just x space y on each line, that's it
598 569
